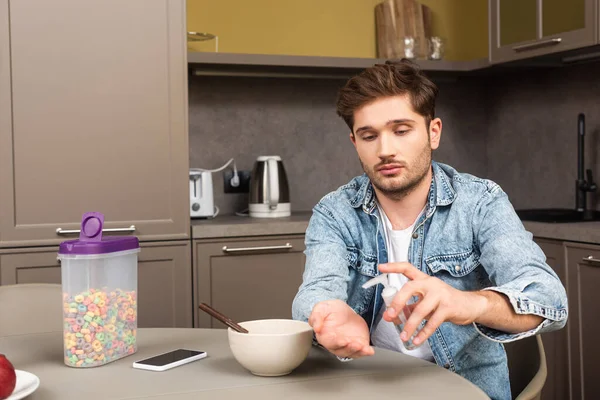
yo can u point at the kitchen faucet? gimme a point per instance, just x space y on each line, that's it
582 187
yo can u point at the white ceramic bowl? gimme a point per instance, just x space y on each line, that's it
273 347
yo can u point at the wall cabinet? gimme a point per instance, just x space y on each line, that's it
332 28
522 29
164 279
247 279
93 117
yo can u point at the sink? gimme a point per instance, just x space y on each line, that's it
558 215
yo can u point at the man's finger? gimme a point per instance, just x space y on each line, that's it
408 290
432 324
405 268
425 307
386 316
332 342
338 345
316 321
365 351
317 316
354 349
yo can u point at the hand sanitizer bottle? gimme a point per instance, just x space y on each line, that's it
388 294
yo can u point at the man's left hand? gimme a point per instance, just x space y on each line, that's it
438 302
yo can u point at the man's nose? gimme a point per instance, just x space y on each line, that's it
386 146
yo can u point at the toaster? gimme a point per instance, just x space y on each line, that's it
201 194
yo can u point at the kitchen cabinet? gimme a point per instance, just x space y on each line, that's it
335 28
571 352
344 29
247 278
556 343
584 280
93 117
522 29
164 278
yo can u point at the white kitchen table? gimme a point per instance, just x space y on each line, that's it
322 376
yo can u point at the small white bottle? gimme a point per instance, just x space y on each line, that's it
388 294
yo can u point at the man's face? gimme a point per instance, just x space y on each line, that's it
394 144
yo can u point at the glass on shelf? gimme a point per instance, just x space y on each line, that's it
408 47
202 37
435 48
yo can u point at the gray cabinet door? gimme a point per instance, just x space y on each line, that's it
556 343
93 117
584 280
30 265
521 29
165 285
248 279
164 279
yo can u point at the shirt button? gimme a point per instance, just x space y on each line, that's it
415 235
447 366
457 268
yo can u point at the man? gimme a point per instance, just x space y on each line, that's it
448 239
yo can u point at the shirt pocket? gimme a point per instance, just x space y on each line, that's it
364 263
457 265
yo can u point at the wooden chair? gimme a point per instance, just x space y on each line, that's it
30 308
527 367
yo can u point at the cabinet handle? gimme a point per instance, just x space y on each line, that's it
61 231
591 259
541 43
258 248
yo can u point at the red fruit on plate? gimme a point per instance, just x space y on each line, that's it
8 378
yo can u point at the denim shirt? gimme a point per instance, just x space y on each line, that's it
469 237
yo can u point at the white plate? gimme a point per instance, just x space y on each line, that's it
27 383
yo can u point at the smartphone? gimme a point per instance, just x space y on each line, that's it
172 359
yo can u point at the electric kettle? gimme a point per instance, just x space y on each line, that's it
269 190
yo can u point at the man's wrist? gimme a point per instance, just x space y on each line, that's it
481 304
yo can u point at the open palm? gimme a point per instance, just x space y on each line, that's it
340 330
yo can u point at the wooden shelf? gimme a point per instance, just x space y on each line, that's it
230 64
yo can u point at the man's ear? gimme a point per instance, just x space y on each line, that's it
353 139
435 133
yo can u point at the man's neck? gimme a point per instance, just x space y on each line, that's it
403 213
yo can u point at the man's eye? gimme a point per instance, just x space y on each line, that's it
400 132
368 138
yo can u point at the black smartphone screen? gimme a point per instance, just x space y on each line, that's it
170 357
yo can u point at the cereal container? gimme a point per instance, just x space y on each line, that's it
99 284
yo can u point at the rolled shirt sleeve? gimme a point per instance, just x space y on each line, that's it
517 267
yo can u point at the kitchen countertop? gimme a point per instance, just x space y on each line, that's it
586 232
234 226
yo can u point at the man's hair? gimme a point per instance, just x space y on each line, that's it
385 80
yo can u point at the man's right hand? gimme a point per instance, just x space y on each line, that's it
340 330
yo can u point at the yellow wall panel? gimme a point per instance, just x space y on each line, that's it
342 28
332 28
463 24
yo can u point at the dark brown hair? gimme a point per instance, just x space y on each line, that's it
393 78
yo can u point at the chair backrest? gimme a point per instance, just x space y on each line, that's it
527 367
30 308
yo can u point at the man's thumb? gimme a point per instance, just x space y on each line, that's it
317 317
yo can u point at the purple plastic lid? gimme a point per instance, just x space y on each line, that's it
91 241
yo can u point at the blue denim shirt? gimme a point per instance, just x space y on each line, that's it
469 237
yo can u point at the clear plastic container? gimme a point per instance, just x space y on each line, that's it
99 284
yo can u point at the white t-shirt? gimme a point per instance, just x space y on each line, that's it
385 335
